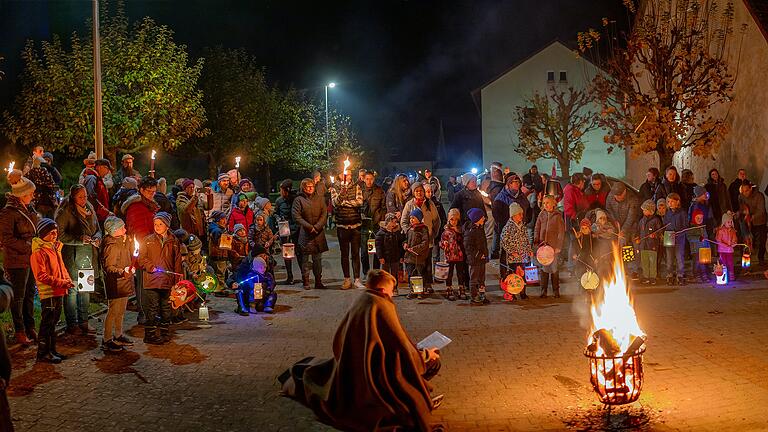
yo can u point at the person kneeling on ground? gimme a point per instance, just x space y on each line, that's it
251 282
375 360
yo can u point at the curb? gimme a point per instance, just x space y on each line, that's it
16 347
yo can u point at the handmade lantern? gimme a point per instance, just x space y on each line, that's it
545 255
531 275
553 188
441 270
258 291
669 238
85 280
202 313
371 246
225 242
417 284
513 284
289 250
284 228
628 254
745 260
590 281
721 274
182 293
206 283
705 255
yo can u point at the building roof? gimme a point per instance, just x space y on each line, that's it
759 11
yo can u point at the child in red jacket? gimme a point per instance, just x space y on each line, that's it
452 242
53 282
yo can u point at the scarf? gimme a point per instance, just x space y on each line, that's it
84 211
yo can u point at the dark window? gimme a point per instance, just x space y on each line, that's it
551 76
563 76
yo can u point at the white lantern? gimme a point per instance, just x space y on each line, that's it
86 280
284 228
371 246
417 284
202 313
289 251
441 270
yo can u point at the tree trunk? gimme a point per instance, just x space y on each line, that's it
267 188
665 159
212 173
565 169
111 154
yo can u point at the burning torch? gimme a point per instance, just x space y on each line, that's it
134 262
11 165
152 164
237 161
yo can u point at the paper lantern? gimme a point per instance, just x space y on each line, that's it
513 283
531 275
202 313
417 284
545 255
669 238
225 242
371 246
590 281
441 270
705 255
284 228
745 260
85 280
289 251
258 291
722 278
182 293
628 254
206 282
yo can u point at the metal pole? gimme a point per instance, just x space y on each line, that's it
98 131
327 147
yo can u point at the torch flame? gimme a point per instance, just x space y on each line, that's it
237 161
135 247
153 153
614 312
484 193
346 165
331 179
10 166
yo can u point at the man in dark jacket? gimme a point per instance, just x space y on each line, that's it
283 206
434 182
468 198
6 297
310 213
734 189
347 201
652 189
98 193
126 169
373 213
532 180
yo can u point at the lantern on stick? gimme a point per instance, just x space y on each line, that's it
152 164
11 165
237 161
745 259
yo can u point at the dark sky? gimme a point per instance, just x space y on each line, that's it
402 66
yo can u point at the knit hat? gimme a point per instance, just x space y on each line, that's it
129 183
237 228
416 185
600 214
727 217
244 181
112 224
163 216
418 214
126 157
661 202
104 162
259 265
241 196
648 205
20 185
468 177
194 243
513 178
475 214
48 156
45 226
585 223
217 215
695 213
514 209
698 191
222 177
187 183
181 234
260 202
286 184
91 159
454 213
618 188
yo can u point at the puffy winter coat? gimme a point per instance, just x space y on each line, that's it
72 227
118 199
17 228
374 207
310 212
465 200
574 204
726 238
238 216
417 238
158 253
347 202
139 214
514 241
116 255
221 199
431 217
49 269
649 226
755 203
501 204
452 242
475 244
389 245
549 229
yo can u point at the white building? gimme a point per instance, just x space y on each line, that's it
557 65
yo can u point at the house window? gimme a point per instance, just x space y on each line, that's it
563 76
550 76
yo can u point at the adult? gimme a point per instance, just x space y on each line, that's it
321 189
532 180
6 300
719 201
347 199
162 199
431 220
652 189
672 183
374 209
80 233
126 169
443 220
37 152
574 207
90 163
98 192
222 194
241 214
398 195
623 206
596 193
191 207
512 193
361 177
434 182
452 187
45 201
734 189
468 198
752 208
688 182
494 186
375 359
283 206
17 228
129 186
310 213
55 174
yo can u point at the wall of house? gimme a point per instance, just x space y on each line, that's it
500 98
746 145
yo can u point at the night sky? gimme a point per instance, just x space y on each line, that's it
402 67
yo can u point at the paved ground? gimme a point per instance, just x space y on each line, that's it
511 366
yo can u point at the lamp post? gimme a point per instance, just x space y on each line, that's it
327 147
99 134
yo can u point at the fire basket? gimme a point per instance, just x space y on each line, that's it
617 379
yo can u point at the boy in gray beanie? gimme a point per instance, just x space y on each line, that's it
647 240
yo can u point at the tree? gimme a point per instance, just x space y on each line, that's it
150 95
553 125
667 84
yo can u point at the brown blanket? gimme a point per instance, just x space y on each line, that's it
375 380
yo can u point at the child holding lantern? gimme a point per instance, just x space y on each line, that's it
452 242
697 238
119 284
583 247
514 241
647 240
389 242
416 247
675 220
726 238
550 230
476 248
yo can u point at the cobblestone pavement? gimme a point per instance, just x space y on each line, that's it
511 366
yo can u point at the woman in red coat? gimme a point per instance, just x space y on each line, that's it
242 214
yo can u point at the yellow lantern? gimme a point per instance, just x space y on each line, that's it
628 254
705 255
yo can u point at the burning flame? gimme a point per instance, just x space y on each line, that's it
135 247
331 179
346 165
614 312
237 162
153 153
11 165
484 193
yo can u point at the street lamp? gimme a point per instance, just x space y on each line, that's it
327 147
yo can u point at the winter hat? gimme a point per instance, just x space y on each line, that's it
585 223
698 191
91 159
45 226
244 181
514 209
648 205
454 212
222 177
238 227
418 214
618 188
20 185
286 184
129 183
259 265
468 177
112 224
163 216
416 185
179 182
389 218
217 215
48 156
513 178
696 213
661 202
194 243
162 186
260 202
727 217
187 183
103 162
475 214
181 234
600 214
126 157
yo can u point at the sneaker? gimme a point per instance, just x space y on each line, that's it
347 284
359 284
123 340
111 346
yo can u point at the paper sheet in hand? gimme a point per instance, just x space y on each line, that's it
435 340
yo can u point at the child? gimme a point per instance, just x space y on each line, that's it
388 245
53 282
116 260
605 235
647 240
675 220
240 247
661 258
260 235
583 248
550 230
416 248
476 248
514 241
159 254
726 237
252 283
697 238
452 242
219 257
661 207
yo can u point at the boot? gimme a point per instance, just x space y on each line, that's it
31 334
556 284
319 284
544 281
483 298
86 329
52 347
449 294
243 309
45 355
22 338
165 333
475 294
150 336
305 282
289 277
463 293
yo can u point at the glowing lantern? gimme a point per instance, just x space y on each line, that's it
441 270
11 165
202 313
590 281
721 273
85 280
531 274
417 284
258 291
705 255
545 255
284 228
669 238
745 260
628 254
289 250
371 246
